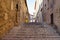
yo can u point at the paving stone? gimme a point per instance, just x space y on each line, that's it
32 32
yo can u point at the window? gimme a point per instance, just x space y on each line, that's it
41 9
47 8
45 5
17 6
51 5
48 0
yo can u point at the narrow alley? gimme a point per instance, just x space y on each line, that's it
29 19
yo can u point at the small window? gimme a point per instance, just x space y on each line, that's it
17 6
41 9
48 0
47 8
45 5
51 5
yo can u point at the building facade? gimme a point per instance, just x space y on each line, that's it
56 15
36 7
12 12
39 15
51 12
48 6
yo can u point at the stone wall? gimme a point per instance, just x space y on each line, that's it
48 10
45 11
57 14
12 12
52 7
6 16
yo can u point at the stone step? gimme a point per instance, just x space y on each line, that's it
34 38
32 32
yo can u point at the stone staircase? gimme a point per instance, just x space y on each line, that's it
32 32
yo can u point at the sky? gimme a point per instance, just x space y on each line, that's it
31 4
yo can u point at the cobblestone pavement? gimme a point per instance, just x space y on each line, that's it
32 32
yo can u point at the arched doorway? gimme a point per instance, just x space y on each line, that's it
52 19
